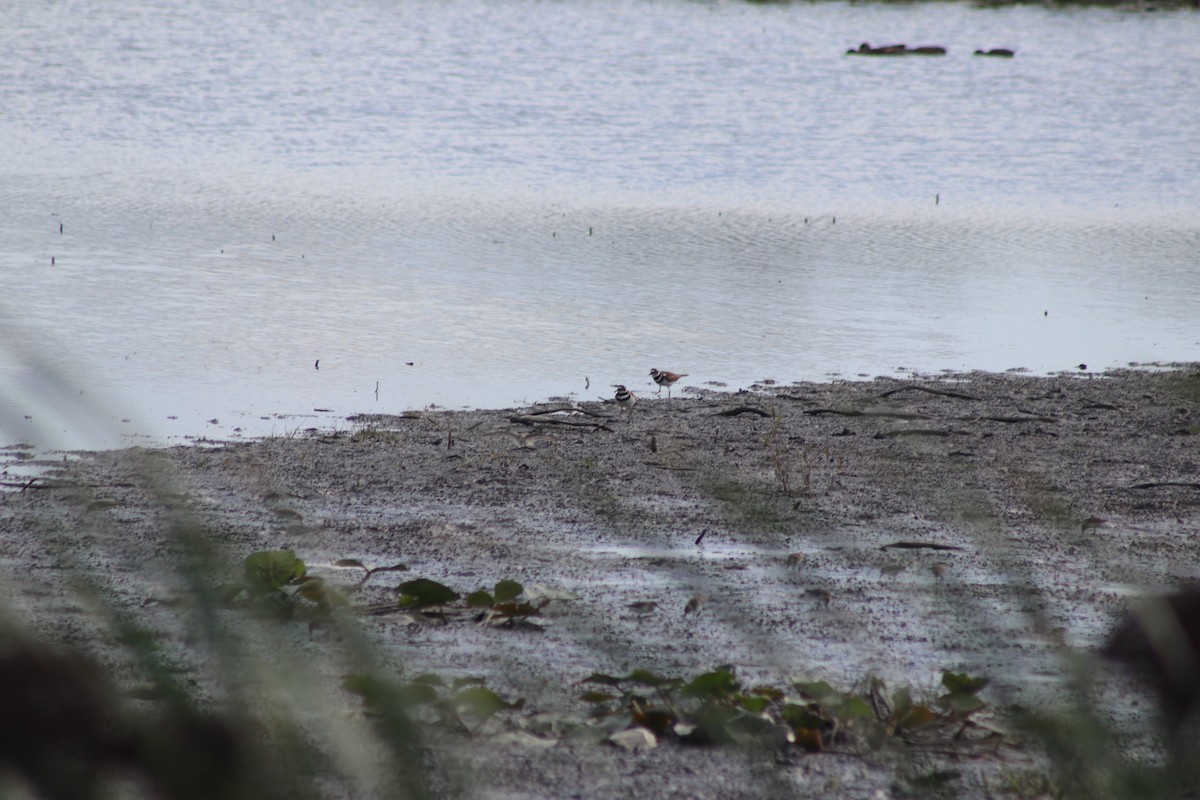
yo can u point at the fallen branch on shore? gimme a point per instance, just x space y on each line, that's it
529 419
1161 484
565 409
854 412
926 389
733 412
41 482
32 483
1010 420
919 546
916 432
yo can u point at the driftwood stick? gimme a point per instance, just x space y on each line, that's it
919 546
733 412
43 482
572 409
32 483
917 432
1159 484
926 389
526 419
854 412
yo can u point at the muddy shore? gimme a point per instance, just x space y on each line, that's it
1029 512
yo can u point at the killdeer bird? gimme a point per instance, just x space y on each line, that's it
624 398
664 378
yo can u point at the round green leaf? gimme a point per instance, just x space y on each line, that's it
508 590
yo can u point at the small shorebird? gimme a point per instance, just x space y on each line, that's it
624 398
664 378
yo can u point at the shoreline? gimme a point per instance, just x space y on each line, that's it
1061 496
233 425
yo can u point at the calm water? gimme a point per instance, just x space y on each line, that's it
487 203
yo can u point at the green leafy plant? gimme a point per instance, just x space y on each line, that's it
354 563
504 604
712 707
276 581
461 706
425 593
716 707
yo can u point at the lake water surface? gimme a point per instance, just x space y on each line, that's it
488 203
